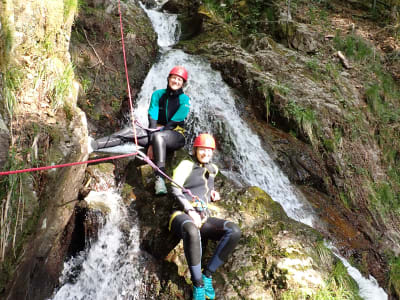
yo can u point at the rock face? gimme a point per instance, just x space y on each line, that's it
96 51
189 18
48 122
40 267
275 255
330 159
284 89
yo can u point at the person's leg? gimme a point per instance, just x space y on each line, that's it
182 225
163 141
120 137
228 235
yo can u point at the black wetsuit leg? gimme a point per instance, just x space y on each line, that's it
165 140
125 135
228 235
184 228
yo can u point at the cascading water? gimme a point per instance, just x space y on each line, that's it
214 110
110 269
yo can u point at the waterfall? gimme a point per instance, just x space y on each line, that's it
214 110
110 268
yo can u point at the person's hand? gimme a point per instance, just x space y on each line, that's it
195 217
150 152
215 196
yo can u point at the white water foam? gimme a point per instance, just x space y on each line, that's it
109 269
369 288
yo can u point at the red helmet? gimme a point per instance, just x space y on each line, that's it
204 140
180 71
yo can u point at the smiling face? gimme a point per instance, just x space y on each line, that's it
175 82
204 155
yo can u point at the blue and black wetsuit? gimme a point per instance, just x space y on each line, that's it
167 108
199 179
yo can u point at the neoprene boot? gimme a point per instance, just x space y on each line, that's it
160 186
198 293
92 145
208 288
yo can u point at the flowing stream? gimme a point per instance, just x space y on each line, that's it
214 110
109 269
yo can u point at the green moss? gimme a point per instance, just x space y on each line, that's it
70 7
6 42
127 193
255 201
106 167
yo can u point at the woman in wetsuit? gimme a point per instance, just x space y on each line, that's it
194 224
167 113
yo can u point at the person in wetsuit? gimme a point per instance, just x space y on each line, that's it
167 113
194 223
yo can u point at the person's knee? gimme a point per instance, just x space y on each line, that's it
191 230
235 232
157 138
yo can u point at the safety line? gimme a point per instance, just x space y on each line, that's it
134 121
67 164
144 157
195 198
126 73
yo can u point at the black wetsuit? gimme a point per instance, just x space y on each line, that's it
199 179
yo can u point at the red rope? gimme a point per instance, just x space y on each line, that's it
100 159
126 72
67 164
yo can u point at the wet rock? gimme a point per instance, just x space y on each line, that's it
96 46
190 20
275 253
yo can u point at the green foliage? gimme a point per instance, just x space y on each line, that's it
304 117
62 87
300 114
332 70
281 88
394 274
354 47
12 81
313 66
83 5
12 204
339 286
246 15
385 200
70 7
332 144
